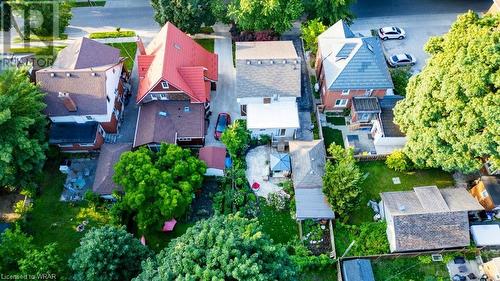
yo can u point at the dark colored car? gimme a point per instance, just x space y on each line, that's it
223 120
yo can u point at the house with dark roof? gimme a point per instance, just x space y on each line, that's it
110 154
487 192
387 136
268 82
215 158
428 218
357 270
348 65
84 88
176 75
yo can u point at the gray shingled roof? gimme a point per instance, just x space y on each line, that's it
357 270
352 62
265 69
308 163
86 53
428 218
311 203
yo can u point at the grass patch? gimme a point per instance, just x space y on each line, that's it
332 136
88 4
408 268
208 44
44 56
380 180
314 121
37 38
112 34
313 82
158 240
279 225
127 50
325 274
335 120
54 221
233 47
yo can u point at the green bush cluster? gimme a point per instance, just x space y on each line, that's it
305 260
398 161
370 238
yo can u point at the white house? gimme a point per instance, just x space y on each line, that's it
268 83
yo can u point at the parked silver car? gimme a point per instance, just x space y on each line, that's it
401 60
391 32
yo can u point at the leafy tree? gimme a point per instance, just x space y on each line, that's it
221 248
45 14
158 186
398 161
236 138
400 77
5 13
330 11
310 32
108 253
451 113
258 15
13 247
44 261
341 182
23 125
187 15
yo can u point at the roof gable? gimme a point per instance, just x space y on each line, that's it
86 53
175 57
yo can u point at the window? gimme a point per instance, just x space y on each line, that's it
341 102
184 139
164 85
186 109
243 110
90 118
163 96
281 132
345 92
108 99
484 194
368 92
267 100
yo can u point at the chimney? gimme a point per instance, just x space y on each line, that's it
140 46
68 102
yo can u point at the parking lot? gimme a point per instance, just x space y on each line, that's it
419 28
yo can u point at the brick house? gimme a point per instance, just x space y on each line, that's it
176 76
348 66
84 89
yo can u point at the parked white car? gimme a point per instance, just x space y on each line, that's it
401 60
391 32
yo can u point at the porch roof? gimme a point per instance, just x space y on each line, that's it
276 115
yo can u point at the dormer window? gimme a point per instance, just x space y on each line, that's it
345 92
164 85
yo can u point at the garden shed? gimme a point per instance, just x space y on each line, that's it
357 270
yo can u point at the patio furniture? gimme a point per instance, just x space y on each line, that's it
86 172
255 186
458 277
459 260
79 183
472 276
462 269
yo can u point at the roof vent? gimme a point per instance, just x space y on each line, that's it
163 113
249 62
177 46
401 208
296 62
271 62
284 61
259 62
52 74
68 74
93 74
370 47
62 95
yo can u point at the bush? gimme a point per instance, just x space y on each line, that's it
277 200
370 238
112 34
400 77
398 161
305 260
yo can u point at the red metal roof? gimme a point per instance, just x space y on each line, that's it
177 58
213 156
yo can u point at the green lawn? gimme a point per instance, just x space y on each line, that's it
112 34
37 38
332 136
380 180
208 44
278 224
327 274
336 120
408 269
54 221
127 50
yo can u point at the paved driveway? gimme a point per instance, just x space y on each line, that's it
223 100
419 28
